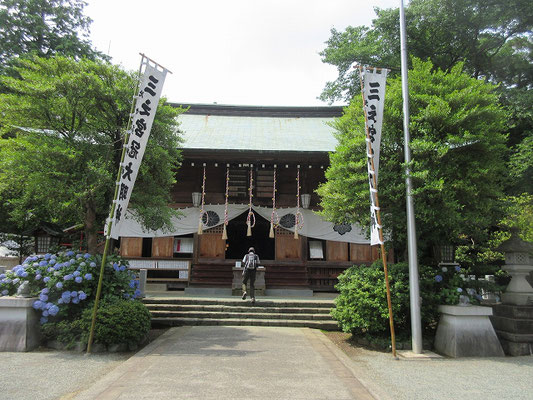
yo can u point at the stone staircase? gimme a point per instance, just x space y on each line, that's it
234 311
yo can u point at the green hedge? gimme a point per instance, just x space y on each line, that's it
361 307
118 321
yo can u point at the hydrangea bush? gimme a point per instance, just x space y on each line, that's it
65 282
455 286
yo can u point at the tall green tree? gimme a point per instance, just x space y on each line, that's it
66 120
458 160
493 40
44 28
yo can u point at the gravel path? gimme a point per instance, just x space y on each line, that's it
469 378
51 374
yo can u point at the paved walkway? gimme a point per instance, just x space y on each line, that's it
220 362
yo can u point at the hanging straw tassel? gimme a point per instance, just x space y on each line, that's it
224 233
200 227
249 231
271 234
295 233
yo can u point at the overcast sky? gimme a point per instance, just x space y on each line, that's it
247 52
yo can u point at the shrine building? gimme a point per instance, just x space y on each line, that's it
276 154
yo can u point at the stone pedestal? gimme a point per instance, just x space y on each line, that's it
466 331
19 324
514 326
236 284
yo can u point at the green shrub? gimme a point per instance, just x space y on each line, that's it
118 321
361 307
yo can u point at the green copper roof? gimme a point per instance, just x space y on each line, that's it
257 133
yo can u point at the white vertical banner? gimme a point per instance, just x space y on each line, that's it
374 81
147 99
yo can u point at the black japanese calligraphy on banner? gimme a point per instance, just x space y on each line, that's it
146 103
374 82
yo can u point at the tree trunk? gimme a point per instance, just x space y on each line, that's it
90 227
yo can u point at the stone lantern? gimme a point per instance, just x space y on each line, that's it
519 264
513 320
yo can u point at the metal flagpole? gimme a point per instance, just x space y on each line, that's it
111 213
416 324
378 216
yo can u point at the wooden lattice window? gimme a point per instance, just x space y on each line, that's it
238 182
264 183
215 229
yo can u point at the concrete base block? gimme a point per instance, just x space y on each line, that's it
19 324
466 331
156 287
517 349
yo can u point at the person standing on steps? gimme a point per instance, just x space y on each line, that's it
250 262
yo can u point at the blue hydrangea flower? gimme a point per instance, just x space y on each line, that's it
458 268
52 261
79 256
137 293
86 255
43 297
59 285
460 290
82 264
16 280
37 304
69 253
47 256
53 310
122 268
43 263
45 313
2 276
78 279
127 296
75 300
25 274
93 264
132 284
67 277
82 295
76 273
88 277
5 292
46 279
60 301
43 320
7 280
73 294
38 277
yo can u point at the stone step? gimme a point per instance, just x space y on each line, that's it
238 315
240 309
239 303
326 325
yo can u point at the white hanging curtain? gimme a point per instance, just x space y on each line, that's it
314 226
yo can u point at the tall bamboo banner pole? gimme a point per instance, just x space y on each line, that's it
122 193
378 216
